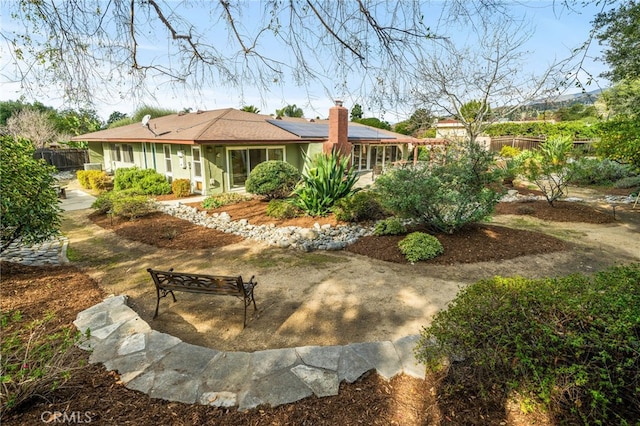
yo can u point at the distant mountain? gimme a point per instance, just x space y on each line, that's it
552 103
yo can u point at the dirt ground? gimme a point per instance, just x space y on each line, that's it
365 293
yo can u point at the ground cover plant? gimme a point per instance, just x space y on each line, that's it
566 344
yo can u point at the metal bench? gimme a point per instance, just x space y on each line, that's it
169 281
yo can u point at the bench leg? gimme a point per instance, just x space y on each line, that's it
164 294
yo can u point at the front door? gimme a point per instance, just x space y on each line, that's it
196 170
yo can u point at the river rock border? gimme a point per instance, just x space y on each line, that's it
325 237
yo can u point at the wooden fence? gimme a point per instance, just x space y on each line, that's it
64 159
584 145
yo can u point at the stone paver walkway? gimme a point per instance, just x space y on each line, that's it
165 367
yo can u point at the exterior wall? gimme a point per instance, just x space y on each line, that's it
214 160
96 153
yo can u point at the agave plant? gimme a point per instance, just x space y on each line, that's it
328 179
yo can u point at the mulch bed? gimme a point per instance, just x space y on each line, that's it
474 243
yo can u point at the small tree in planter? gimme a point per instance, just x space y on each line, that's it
548 166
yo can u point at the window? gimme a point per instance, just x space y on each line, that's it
243 160
127 153
122 153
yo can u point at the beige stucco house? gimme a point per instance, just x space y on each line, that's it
216 150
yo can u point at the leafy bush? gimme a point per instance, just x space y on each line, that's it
509 151
147 180
570 343
219 200
181 187
273 179
104 202
29 204
33 362
459 186
391 226
99 181
328 179
131 207
361 206
628 182
93 179
591 171
154 184
282 209
548 167
420 246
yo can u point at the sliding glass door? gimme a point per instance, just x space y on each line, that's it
243 160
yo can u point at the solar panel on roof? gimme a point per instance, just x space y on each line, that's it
321 130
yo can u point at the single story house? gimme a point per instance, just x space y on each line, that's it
216 150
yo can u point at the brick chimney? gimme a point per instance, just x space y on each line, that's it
338 130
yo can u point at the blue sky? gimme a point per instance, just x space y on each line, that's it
557 31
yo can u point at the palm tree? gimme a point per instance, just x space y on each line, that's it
290 111
250 108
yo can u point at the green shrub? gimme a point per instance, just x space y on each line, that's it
283 209
459 186
154 184
361 206
104 202
147 180
509 151
391 226
181 187
420 246
273 179
592 171
131 207
570 343
328 179
219 200
33 362
628 182
93 179
99 181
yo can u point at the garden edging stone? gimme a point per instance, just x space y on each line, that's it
163 366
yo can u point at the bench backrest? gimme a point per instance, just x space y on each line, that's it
198 283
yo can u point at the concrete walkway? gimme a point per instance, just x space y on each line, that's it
165 367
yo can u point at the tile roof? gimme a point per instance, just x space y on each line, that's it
220 126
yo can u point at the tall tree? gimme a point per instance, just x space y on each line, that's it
77 45
29 205
290 111
250 108
116 116
462 81
356 112
619 31
34 126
